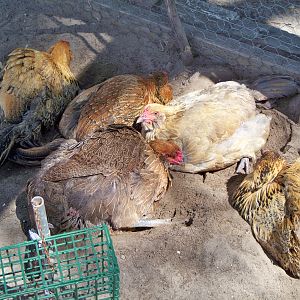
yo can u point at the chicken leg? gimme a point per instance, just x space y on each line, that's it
243 166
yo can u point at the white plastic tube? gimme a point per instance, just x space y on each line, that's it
40 216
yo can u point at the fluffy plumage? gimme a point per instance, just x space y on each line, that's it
269 200
214 128
113 176
36 88
118 100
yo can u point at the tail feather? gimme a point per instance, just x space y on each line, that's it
34 155
13 134
43 111
284 247
7 140
274 86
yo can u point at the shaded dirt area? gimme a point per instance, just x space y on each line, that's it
216 256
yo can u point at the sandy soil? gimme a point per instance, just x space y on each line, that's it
214 256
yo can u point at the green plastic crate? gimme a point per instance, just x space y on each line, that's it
76 265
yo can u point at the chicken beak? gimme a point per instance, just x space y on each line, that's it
140 119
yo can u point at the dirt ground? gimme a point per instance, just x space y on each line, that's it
215 256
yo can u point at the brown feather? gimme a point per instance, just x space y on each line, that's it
119 100
269 200
28 71
36 88
162 147
113 176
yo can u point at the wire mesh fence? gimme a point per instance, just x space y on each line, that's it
253 36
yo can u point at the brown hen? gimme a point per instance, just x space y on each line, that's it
36 88
114 176
269 200
118 100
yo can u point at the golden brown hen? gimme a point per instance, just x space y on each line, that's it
118 100
36 88
269 200
113 176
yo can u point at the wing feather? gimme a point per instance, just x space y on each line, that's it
118 101
27 74
269 200
113 176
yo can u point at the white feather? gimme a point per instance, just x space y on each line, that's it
213 93
216 127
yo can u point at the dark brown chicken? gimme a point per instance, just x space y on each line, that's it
118 100
114 176
36 88
269 200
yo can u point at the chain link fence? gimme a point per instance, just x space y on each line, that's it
252 36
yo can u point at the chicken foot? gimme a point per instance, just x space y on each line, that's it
243 166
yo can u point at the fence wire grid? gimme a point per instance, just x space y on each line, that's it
249 35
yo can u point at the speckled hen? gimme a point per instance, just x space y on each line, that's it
269 200
113 176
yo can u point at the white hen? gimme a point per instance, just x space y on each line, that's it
215 127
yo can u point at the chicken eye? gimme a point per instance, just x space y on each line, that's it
155 113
